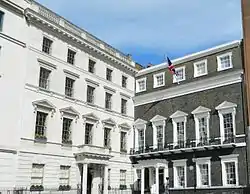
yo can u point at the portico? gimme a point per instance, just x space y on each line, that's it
157 173
93 163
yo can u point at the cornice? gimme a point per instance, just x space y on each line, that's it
13 40
9 4
223 79
193 56
78 36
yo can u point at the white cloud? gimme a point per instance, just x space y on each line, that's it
158 26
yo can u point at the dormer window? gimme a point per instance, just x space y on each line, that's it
200 68
159 80
141 85
180 74
224 61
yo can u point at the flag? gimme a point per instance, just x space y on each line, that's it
171 68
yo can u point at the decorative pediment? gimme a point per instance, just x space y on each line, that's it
200 109
44 104
109 121
157 118
70 111
140 122
226 105
90 116
178 114
125 126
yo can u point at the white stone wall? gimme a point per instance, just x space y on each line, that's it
19 70
12 74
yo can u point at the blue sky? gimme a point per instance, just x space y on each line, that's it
149 29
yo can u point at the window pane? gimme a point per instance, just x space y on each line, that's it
69 84
107 137
1 20
40 124
231 173
204 174
90 94
66 133
203 130
141 138
91 66
228 127
108 101
71 56
159 136
44 78
46 45
123 141
181 175
122 177
124 81
88 133
225 62
180 134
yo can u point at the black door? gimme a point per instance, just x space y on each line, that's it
89 182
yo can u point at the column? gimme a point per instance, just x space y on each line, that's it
165 174
157 179
105 184
84 178
150 172
142 181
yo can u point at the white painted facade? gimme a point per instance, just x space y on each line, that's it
20 64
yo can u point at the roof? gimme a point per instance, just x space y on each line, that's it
190 57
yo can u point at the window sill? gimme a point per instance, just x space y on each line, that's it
91 104
109 110
36 188
64 188
44 90
67 143
42 140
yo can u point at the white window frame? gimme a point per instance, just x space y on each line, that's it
219 68
139 125
178 116
158 121
225 108
184 74
155 79
137 84
229 158
195 68
201 112
177 163
200 161
33 171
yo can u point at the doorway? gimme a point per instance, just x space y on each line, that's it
89 181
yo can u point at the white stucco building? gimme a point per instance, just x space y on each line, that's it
66 100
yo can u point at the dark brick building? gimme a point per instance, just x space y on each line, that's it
189 131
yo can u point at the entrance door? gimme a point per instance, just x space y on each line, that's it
161 181
89 181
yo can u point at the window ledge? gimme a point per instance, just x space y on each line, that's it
40 140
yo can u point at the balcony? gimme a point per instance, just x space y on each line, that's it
186 146
93 149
